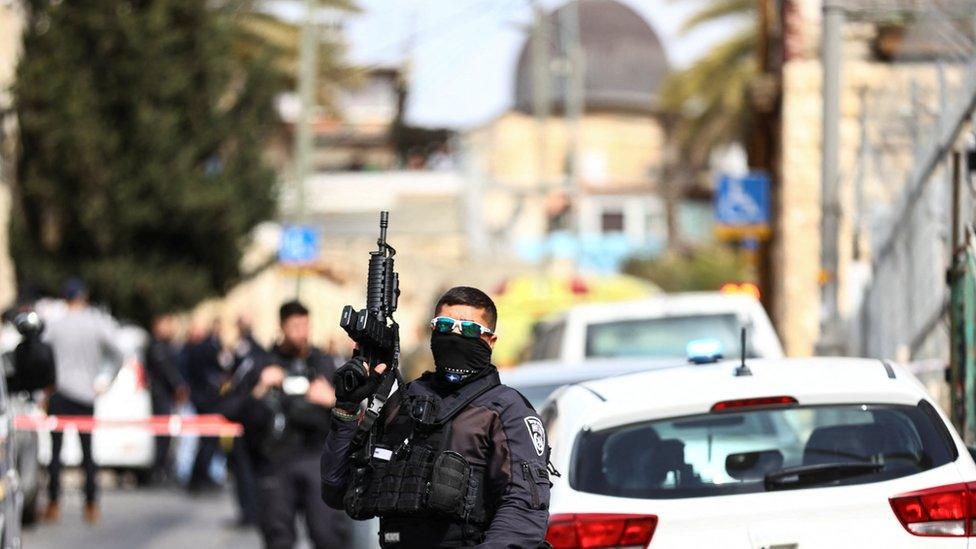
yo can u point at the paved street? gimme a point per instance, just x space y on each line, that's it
155 518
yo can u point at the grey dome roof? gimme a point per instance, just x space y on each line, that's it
624 60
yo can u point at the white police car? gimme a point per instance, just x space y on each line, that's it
786 453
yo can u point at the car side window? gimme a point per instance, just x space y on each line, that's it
539 333
547 341
549 415
553 342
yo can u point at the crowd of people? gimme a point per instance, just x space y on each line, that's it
282 396
304 452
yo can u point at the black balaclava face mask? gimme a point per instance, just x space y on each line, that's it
457 357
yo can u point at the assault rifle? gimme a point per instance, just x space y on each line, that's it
376 334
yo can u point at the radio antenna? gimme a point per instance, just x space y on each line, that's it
742 369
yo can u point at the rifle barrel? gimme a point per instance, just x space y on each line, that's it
384 223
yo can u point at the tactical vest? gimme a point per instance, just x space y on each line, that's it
410 472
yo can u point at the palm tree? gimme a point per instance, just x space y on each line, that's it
708 100
262 33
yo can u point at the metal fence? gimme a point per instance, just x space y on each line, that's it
902 181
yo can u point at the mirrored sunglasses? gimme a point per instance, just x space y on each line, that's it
468 328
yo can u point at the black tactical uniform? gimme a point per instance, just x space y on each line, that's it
450 465
284 434
248 355
164 382
33 358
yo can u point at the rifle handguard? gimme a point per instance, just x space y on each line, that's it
376 334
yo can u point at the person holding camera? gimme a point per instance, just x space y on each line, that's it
284 404
456 459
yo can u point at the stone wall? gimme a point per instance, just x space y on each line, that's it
615 150
618 153
797 249
11 23
881 88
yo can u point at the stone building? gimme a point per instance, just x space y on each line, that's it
357 134
877 94
11 25
620 139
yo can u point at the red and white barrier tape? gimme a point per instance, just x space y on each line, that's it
213 425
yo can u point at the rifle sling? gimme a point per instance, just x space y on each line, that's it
375 406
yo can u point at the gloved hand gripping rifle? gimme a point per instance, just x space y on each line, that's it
373 329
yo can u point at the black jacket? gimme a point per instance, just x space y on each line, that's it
162 370
34 366
305 424
205 375
499 431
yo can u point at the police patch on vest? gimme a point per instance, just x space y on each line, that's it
537 432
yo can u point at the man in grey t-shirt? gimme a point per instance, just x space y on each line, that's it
87 358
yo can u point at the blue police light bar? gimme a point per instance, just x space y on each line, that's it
704 351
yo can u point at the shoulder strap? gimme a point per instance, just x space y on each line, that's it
454 404
375 405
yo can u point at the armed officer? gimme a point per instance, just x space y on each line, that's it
284 406
455 459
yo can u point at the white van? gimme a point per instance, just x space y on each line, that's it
657 327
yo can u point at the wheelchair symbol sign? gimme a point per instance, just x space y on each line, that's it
742 205
299 244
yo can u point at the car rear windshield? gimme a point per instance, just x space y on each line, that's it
741 452
661 337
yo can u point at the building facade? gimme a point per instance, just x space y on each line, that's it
11 26
889 104
590 185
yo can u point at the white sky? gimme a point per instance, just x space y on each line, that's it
463 52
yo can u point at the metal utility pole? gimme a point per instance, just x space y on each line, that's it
833 23
764 137
569 31
863 160
478 241
307 76
540 87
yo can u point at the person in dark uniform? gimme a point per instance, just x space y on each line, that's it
206 377
33 359
248 355
285 406
166 386
455 447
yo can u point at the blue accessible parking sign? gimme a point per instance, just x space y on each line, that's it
299 244
742 206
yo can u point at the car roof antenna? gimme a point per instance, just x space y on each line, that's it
742 369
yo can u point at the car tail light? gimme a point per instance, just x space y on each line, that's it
759 402
595 530
943 511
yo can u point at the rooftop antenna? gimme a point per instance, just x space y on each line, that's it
742 369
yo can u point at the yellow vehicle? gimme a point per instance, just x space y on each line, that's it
524 300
